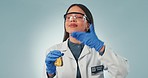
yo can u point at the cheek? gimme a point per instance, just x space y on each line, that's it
83 27
66 26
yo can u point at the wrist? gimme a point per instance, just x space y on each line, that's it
99 45
51 70
50 75
102 49
101 52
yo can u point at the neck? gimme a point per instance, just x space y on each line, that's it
74 40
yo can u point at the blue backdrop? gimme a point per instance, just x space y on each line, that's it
29 27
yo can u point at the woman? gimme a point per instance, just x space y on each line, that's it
83 54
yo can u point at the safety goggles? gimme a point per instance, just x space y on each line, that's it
75 16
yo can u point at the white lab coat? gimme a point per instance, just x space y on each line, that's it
115 65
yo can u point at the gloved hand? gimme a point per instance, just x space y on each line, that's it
89 38
50 59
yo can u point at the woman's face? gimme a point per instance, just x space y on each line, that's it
76 22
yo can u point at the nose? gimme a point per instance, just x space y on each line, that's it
73 19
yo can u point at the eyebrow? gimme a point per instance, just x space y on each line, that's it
74 13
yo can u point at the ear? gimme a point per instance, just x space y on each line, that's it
88 26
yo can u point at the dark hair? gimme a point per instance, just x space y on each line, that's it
88 14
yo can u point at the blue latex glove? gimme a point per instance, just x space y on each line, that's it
89 38
50 59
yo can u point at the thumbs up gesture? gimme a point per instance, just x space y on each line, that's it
89 38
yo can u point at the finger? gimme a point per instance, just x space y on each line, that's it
54 56
78 35
50 60
57 53
74 34
92 28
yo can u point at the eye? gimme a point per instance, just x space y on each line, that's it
80 17
68 17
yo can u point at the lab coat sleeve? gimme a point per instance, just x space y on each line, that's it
44 66
117 66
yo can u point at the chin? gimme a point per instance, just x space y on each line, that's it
71 31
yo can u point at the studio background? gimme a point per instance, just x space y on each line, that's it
29 27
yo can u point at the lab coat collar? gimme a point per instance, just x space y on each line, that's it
65 49
85 51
